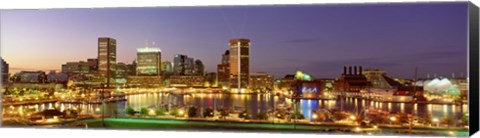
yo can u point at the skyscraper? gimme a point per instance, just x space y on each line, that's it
239 63
107 58
149 61
167 67
179 64
199 68
4 71
223 70
189 66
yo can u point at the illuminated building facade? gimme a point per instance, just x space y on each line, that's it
286 82
211 80
261 82
76 68
121 73
55 77
107 59
187 81
149 61
4 71
167 67
145 81
239 63
30 77
305 86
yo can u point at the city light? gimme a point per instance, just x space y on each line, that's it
393 118
352 117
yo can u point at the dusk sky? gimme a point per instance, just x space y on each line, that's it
319 39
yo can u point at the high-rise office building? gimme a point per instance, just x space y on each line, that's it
189 66
239 63
4 71
149 61
167 67
107 58
223 69
199 68
179 64
80 67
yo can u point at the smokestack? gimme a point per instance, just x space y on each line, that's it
349 70
344 70
355 70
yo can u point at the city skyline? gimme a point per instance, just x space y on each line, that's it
278 35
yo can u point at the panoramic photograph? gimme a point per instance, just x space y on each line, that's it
366 69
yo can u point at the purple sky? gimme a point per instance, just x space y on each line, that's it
319 39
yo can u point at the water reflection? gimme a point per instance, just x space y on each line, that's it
252 103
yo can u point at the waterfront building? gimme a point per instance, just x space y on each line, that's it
30 77
107 59
54 77
239 64
306 86
187 81
223 70
352 80
261 82
80 67
284 84
145 81
149 61
132 68
211 80
5 70
121 73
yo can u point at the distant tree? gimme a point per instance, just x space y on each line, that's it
244 115
143 111
465 119
447 121
160 111
428 119
224 113
129 110
175 112
192 111
298 115
262 116
339 116
208 112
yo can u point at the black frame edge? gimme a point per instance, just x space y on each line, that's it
473 37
